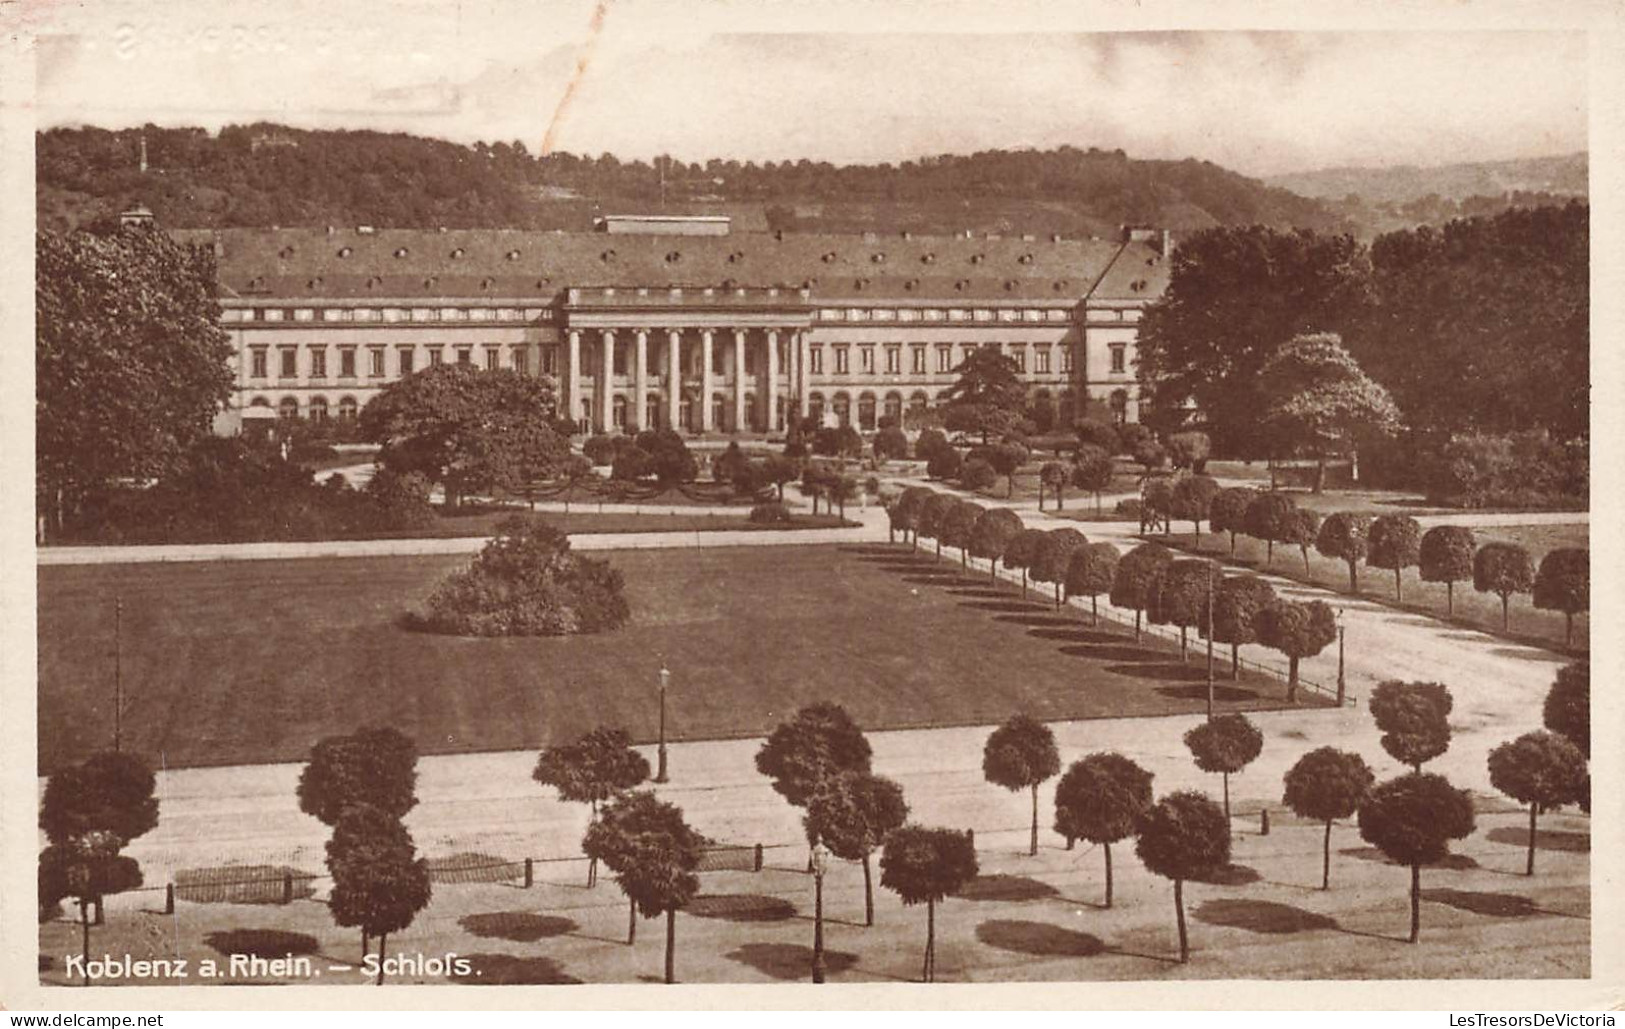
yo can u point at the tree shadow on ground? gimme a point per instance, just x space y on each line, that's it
512 970
1495 905
1162 672
1118 652
1530 654
982 593
789 961
518 926
1006 888
1261 916
1039 939
1223 694
1009 607
741 907
1230 875
261 943
1055 625
932 579
1545 839
1058 635
873 550
1451 863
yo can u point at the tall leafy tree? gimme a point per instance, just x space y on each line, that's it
1503 569
922 866
1320 402
1187 586
819 742
1184 836
904 513
1563 583
599 765
1345 536
653 853
1193 501
1567 710
1446 555
992 534
1414 718
1226 745
1235 297
1091 572
1543 770
1396 543
1298 630
1102 798
1412 820
1325 785
1053 557
130 362
1228 512
959 527
988 397
375 766
468 429
1137 583
1021 551
1236 606
1021 755
1269 517
1092 470
1006 459
87 867
379 882
933 513
852 813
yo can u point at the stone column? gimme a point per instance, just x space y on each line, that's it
739 381
804 359
771 407
674 378
606 376
640 380
707 423
572 378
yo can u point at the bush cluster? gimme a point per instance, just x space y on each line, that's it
1521 470
770 513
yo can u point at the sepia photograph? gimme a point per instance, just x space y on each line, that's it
638 493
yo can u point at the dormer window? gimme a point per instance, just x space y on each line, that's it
673 256
285 253
315 283
878 258
1009 284
487 283
928 258
373 282
736 257
543 282
457 253
960 285
860 284
429 283
911 284
828 258
345 251
401 251
513 255
607 256
1025 259
977 258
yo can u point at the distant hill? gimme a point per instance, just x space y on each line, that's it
265 174
1565 175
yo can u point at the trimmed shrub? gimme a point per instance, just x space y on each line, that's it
1189 450
770 513
1268 518
1446 555
1346 536
1503 569
891 444
1564 584
1396 543
945 463
1099 434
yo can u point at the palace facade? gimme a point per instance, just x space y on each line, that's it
659 321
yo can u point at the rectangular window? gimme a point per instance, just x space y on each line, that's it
406 355
866 360
945 359
1066 359
257 357
520 360
290 363
840 360
967 351
1119 357
493 359
347 362
1041 360
318 363
375 358
918 365
550 360
815 356
435 356
894 360
1020 356
465 355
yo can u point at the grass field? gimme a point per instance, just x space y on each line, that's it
228 663
584 519
1472 609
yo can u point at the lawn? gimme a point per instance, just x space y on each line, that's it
1472 609
584 519
243 662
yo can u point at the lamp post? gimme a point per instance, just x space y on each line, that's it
820 864
1342 687
660 770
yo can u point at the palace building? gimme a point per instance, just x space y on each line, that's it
656 321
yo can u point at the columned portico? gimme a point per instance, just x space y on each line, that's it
640 380
572 378
804 374
739 421
770 394
674 378
602 410
707 420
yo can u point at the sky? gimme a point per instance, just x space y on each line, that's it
843 81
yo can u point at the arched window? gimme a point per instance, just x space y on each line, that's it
618 412
894 407
288 407
843 410
815 407
651 411
866 412
259 402
347 409
918 401
752 421
719 412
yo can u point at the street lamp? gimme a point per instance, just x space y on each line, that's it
820 865
1342 687
660 771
